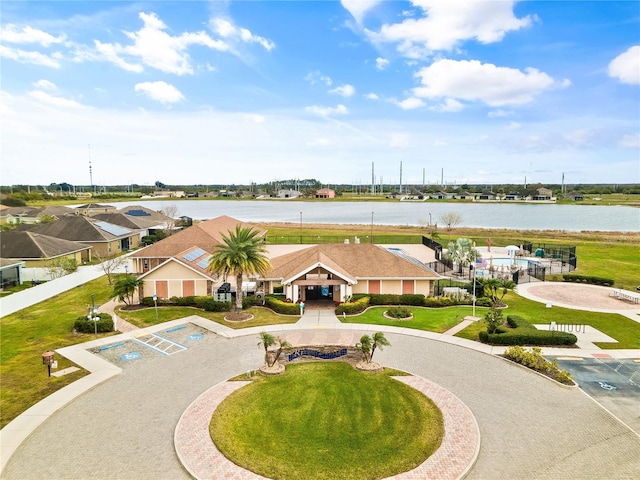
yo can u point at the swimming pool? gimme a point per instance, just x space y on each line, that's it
500 262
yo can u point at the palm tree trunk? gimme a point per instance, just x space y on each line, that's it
239 292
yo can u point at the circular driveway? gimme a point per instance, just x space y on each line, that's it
531 428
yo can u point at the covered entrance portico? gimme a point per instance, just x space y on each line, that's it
318 285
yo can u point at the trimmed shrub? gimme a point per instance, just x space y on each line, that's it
284 308
384 299
210 305
352 308
399 312
84 325
436 302
523 333
183 301
415 299
588 279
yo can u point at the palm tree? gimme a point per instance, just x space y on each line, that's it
378 341
267 340
241 252
462 252
495 286
365 347
124 288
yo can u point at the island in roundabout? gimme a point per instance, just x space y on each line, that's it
326 412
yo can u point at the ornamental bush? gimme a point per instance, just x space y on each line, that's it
524 333
354 307
284 308
399 312
415 299
84 325
534 360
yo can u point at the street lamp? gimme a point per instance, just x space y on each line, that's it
429 219
155 302
371 237
471 271
93 313
47 359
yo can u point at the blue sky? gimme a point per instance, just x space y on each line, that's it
226 92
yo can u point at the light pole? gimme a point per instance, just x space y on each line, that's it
93 313
301 228
472 271
155 302
429 219
371 236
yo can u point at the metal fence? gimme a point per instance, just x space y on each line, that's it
321 239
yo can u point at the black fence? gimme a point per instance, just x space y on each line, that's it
564 255
318 239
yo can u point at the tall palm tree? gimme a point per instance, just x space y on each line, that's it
241 252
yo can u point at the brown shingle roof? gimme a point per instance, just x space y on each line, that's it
79 228
29 245
204 235
350 261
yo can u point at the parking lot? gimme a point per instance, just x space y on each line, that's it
615 384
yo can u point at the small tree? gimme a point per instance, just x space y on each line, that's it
110 264
497 289
267 341
494 320
462 252
451 220
61 266
369 344
126 287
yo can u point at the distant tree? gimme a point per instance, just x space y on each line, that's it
171 212
110 264
159 184
451 220
46 219
61 266
13 202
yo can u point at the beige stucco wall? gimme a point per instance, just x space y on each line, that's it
424 287
174 273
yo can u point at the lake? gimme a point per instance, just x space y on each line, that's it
482 215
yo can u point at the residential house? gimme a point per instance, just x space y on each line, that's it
325 193
543 194
106 238
337 271
90 209
513 197
32 215
36 252
288 193
466 196
575 196
488 195
169 193
10 273
441 196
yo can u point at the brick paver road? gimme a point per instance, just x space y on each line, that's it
530 428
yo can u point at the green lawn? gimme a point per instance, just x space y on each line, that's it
437 320
26 334
147 316
623 329
327 421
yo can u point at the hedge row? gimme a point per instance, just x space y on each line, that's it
417 300
588 279
278 306
204 302
523 333
84 325
353 307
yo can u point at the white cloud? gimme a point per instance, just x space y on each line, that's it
513 126
228 30
358 8
631 140
626 66
499 113
154 47
54 101
255 118
400 140
345 90
327 111
35 58
474 81
44 85
445 24
319 142
372 96
381 63
410 103
439 143
160 91
450 106
317 77
12 34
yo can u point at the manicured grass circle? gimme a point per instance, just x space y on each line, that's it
327 421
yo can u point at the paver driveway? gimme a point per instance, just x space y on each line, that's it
530 428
